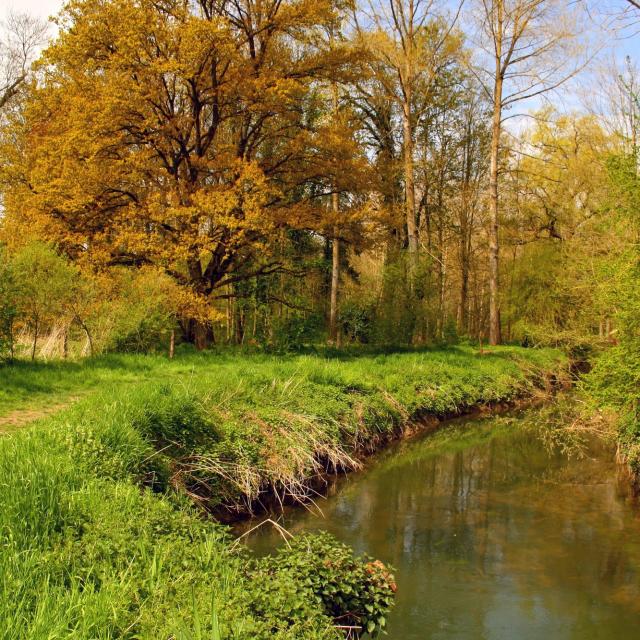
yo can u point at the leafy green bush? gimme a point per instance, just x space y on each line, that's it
353 592
8 306
294 332
356 321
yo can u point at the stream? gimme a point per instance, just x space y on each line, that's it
493 533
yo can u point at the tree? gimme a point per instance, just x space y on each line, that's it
8 307
20 38
182 135
410 46
527 55
557 196
45 286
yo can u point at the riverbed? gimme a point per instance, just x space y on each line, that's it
493 532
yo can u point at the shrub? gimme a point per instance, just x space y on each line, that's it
292 333
356 321
8 308
353 592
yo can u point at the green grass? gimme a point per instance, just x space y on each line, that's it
98 535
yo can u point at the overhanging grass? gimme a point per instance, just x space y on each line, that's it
245 427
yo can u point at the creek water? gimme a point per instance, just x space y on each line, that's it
493 533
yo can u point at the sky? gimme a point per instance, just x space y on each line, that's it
42 8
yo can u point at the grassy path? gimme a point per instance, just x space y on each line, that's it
17 418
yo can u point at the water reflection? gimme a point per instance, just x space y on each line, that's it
493 536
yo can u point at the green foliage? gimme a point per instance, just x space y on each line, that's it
294 332
401 310
450 332
137 315
8 306
45 284
352 591
615 378
357 321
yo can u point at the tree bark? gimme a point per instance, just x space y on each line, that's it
172 344
335 249
409 182
36 328
494 246
65 343
462 317
335 280
198 333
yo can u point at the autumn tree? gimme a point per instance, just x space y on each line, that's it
180 135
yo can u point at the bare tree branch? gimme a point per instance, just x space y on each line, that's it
21 36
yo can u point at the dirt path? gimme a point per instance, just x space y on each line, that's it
22 417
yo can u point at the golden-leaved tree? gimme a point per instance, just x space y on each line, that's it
182 135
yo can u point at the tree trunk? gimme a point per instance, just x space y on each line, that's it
36 327
335 249
409 183
198 333
172 344
494 247
335 278
464 282
84 327
239 324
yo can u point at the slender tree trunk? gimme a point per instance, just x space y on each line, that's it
239 325
410 189
12 345
335 249
335 279
36 328
442 278
172 344
443 291
229 315
65 343
464 276
494 247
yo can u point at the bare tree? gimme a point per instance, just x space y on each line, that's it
21 36
528 49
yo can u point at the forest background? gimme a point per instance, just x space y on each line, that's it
277 175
